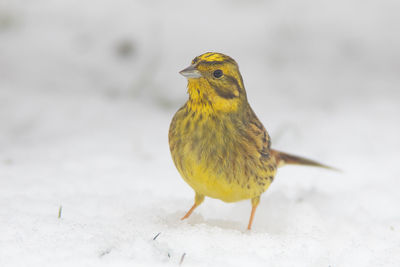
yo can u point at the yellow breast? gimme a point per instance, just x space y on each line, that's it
215 160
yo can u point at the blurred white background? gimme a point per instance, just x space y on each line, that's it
87 91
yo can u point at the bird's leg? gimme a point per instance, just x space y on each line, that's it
254 204
198 199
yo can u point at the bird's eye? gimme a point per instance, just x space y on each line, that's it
217 73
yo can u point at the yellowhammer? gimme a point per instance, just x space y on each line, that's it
217 143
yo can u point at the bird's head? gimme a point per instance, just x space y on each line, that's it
214 79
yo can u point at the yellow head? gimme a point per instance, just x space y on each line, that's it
214 83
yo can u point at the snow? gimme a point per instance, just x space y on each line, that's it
87 91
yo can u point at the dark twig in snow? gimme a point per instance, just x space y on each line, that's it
59 212
182 258
154 238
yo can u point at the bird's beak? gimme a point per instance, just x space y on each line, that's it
191 72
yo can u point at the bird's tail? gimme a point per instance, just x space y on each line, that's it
285 159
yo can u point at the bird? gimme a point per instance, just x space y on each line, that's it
217 143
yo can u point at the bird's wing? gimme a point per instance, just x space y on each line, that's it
258 136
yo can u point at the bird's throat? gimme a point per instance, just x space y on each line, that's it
199 96
203 98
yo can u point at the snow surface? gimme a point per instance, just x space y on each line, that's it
87 91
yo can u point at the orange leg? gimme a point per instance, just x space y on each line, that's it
198 199
254 204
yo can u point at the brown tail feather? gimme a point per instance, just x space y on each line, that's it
284 159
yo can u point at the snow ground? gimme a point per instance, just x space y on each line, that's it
84 127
